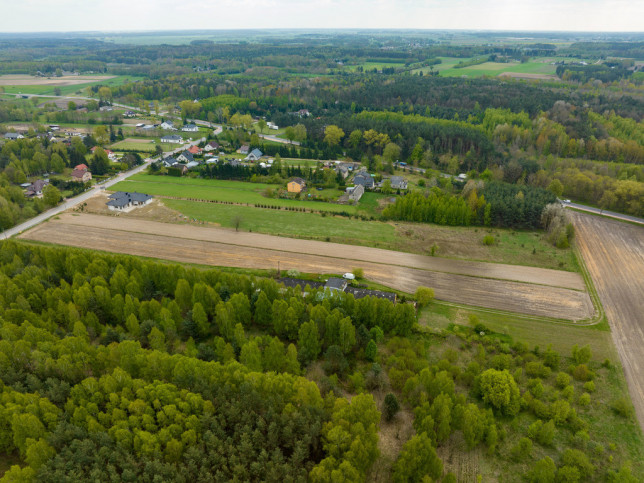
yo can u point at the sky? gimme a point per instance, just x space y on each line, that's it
137 15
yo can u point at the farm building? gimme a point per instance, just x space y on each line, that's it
355 192
296 185
124 201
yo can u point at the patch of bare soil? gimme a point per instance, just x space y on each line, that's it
222 247
614 255
155 210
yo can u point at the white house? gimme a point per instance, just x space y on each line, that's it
168 126
172 138
190 128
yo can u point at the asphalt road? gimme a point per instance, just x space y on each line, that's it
71 202
612 214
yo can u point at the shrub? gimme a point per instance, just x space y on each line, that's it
577 459
582 373
424 296
522 450
391 406
589 386
489 240
562 380
623 407
584 399
543 471
359 273
583 355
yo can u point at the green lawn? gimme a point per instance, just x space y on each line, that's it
292 224
218 190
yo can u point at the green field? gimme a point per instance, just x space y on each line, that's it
142 147
71 89
217 190
291 224
446 68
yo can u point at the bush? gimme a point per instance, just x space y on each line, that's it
424 296
582 373
584 399
543 471
489 240
562 380
522 450
391 407
359 273
589 386
623 407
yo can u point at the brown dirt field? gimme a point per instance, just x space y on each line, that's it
357 254
614 255
523 75
220 247
68 80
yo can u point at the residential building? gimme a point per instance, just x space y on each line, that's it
195 150
12 136
172 138
244 149
35 189
254 155
190 128
398 183
81 167
81 175
168 126
211 146
296 185
122 201
363 178
185 157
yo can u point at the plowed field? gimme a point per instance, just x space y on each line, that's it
614 254
527 290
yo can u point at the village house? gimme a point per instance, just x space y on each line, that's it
168 126
186 157
211 146
190 128
195 150
398 183
365 179
81 175
254 155
124 201
12 136
296 185
110 154
172 139
244 149
335 285
34 190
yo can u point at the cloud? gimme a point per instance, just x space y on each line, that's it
114 15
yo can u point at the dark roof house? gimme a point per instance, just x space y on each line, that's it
336 284
363 178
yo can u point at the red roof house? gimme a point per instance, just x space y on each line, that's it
81 167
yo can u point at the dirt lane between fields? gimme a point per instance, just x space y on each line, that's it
614 254
558 278
518 297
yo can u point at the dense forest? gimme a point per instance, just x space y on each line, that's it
114 368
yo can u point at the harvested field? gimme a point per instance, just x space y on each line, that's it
614 255
474 283
68 80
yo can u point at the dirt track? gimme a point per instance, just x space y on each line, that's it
614 254
219 247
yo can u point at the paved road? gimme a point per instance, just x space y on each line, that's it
611 214
272 137
71 202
